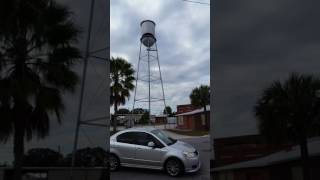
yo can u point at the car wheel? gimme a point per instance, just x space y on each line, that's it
114 162
173 167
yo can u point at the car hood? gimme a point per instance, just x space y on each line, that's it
183 146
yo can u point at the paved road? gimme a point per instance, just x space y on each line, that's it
203 146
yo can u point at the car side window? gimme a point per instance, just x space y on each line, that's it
127 137
157 143
143 138
138 138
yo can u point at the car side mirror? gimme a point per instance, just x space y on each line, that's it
151 144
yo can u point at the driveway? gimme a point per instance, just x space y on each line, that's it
203 146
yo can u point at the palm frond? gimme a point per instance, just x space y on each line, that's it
287 110
122 79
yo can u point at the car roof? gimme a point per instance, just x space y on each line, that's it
144 129
140 129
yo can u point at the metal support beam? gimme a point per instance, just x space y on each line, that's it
84 74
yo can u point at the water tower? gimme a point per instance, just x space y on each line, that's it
149 85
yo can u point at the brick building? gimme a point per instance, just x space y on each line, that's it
242 148
190 117
183 108
284 164
160 119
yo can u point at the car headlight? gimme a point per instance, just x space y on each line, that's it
189 154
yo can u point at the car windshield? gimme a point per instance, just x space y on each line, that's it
164 137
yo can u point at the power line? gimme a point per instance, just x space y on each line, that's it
198 2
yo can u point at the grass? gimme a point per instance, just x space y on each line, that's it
189 133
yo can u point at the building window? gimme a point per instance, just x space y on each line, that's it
180 120
203 120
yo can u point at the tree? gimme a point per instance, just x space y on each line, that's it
167 110
121 75
41 157
88 157
138 111
123 111
144 118
289 111
200 97
36 53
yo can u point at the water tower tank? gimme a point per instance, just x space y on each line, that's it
148 33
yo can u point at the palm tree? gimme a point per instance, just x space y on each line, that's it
200 97
36 53
122 78
289 111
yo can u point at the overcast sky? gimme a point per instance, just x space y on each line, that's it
183 40
255 43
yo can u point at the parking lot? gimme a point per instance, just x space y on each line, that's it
202 144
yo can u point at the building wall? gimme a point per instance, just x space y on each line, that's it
244 174
161 120
290 170
185 108
1 174
200 123
242 148
194 122
185 122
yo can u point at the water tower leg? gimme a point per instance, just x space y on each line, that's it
149 82
137 78
164 99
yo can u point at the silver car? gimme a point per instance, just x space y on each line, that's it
153 149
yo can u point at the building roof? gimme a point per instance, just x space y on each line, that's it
181 105
196 111
161 115
276 158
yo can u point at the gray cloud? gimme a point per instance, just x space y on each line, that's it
182 33
255 43
183 42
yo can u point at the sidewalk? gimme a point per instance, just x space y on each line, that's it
178 136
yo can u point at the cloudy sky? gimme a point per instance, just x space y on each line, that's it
183 40
255 43
183 43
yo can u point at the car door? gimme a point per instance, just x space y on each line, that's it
126 147
147 155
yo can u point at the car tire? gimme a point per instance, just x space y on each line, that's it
114 162
173 167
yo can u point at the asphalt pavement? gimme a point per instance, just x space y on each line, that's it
202 144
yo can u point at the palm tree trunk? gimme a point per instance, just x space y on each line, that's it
305 159
18 141
115 117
